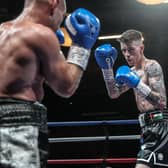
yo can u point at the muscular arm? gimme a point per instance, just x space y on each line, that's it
157 96
60 75
114 90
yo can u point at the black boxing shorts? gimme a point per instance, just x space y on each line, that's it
23 134
154 139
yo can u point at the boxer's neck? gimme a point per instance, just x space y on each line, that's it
37 15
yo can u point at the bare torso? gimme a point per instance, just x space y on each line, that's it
20 73
152 75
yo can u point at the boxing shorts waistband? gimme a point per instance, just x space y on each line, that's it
149 117
16 112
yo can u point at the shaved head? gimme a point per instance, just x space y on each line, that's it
28 2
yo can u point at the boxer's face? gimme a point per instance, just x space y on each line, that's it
133 52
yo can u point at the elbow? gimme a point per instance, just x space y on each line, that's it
67 93
113 96
65 86
66 90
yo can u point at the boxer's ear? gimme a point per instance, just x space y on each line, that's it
53 4
142 48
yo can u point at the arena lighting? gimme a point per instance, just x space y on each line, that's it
68 41
152 2
109 37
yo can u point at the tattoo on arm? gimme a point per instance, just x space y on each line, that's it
114 90
156 83
152 98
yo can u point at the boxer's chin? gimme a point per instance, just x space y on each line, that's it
130 64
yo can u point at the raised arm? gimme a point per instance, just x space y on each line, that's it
105 56
63 74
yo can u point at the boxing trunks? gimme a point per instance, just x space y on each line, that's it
23 134
154 138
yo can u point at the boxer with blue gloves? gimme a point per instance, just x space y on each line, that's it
83 28
146 78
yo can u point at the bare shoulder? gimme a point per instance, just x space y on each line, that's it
41 38
153 68
40 33
29 37
43 31
28 31
4 26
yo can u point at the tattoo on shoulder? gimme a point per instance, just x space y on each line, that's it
154 69
156 83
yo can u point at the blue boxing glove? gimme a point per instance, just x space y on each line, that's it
60 36
83 27
105 56
124 75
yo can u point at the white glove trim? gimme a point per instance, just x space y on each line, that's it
108 74
79 56
69 25
143 89
109 62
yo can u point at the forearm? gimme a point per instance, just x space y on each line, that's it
155 98
111 86
75 74
77 61
78 56
68 81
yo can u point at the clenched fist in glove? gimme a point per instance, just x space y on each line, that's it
83 28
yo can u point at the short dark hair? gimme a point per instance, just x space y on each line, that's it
130 35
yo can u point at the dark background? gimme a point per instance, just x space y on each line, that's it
91 102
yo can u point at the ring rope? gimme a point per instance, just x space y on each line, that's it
78 139
93 123
98 138
91 161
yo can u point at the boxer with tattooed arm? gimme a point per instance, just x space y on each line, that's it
146 78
